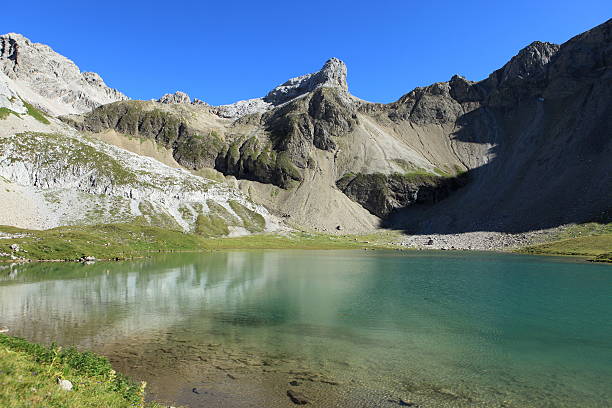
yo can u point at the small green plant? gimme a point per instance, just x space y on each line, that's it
35 113
442 173
5 112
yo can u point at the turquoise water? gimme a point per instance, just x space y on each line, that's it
445 329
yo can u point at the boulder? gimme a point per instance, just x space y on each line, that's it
64 384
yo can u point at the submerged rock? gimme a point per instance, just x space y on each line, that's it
297 397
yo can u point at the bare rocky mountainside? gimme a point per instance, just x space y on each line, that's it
527 148
52 175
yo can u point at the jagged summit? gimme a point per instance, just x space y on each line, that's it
332 74
177 97
529 61
49 80
181 98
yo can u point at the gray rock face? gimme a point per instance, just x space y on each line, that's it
197 101
313 121
177 97
382 194
530 61
49 80
9 99
333 75
242 108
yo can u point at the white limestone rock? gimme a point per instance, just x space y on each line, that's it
177 97
64 384
10 100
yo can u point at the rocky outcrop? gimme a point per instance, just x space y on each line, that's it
10 100
381 194
49 80
177 97
197 101
242 108
314 121
332 75
529 62
190 148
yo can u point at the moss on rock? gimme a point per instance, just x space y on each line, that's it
252 221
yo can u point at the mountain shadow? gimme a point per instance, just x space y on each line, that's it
550 128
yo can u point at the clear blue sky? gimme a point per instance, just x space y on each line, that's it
223 51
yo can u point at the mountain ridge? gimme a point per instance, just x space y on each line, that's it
322 159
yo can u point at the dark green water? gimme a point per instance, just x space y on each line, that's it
445 329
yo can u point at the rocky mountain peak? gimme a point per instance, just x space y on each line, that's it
177 97
530 61
332 74
49 80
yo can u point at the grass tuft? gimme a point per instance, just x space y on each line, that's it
5 112
35 113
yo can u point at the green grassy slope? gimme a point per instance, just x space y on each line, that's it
29 375
120 241
591 240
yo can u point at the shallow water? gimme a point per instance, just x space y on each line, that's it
353 328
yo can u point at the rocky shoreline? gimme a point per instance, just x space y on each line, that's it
477 241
